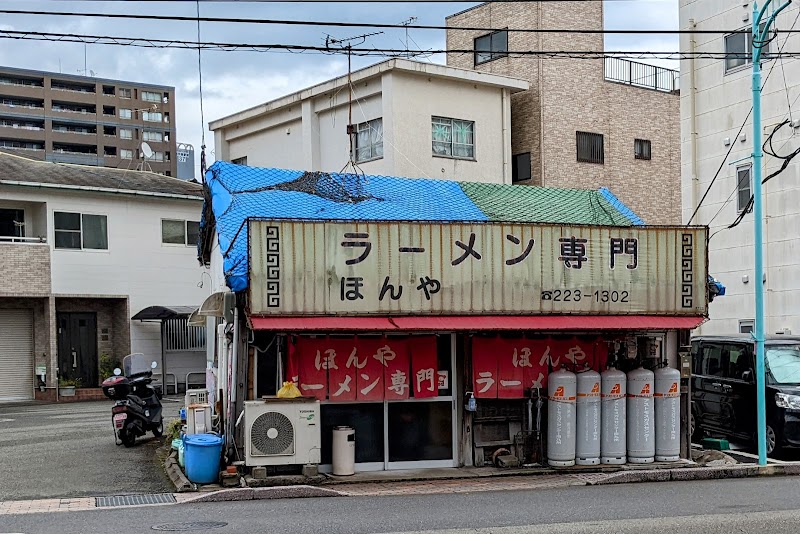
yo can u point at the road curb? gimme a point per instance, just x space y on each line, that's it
257 494
699 473
175 474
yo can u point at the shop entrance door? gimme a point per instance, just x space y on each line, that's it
406 434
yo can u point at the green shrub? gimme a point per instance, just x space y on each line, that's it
107 366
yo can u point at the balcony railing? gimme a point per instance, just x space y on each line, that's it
641 75
15 239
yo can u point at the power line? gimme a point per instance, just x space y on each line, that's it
401 26
145 42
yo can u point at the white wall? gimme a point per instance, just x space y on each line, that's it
406 102
136 264
722 101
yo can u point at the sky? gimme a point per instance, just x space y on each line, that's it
233 81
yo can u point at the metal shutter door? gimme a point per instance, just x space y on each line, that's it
16 355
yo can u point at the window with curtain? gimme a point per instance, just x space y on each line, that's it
368 140
453 138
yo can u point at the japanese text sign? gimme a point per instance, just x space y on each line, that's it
360 268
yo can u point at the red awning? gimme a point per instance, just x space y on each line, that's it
438 323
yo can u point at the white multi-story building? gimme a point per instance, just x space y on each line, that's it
83 252
717 144
408 119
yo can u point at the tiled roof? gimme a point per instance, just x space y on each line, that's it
19 170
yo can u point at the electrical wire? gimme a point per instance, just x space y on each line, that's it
144 42
200 88
289 22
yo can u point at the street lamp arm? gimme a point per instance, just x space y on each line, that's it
759 35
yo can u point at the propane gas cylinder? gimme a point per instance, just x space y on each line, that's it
668 414
612 420
561 387
641 435
587 447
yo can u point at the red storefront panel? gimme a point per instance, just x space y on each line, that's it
342 377
424 367
311 357
484 367
513 355
396 374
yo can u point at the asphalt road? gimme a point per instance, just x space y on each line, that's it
68 450
736 505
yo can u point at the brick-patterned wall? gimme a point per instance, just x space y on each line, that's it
569 95
25 269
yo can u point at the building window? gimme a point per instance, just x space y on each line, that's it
124 153
746 326
521 167
152 136
150 96
641 149
12 223
151 116
125 133
368 140
738 47
124 92
453 138
125 113
743 183
239 161
590 147
490 47
176 232
80 231
157 156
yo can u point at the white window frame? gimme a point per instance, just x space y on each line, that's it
740 189
121 136
124 89
185 233
81 215
127 150
744 323
374 148
147 116
443 121
148 135
124 115
146 94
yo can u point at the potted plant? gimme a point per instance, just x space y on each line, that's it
66 386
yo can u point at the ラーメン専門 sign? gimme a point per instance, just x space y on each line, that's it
362 268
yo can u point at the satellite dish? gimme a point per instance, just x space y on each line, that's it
147 151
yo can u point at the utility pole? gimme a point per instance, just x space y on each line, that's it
759 40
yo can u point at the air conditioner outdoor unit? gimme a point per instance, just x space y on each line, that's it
196 396
282 432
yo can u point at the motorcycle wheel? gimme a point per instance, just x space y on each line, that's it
128 437
158 431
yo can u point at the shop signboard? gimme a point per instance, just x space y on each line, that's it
398 268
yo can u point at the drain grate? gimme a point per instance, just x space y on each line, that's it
194 525
134 500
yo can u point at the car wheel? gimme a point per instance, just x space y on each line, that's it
773 442
158 431
694 431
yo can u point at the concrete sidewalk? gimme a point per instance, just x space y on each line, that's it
430 482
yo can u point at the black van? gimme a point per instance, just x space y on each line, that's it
724 389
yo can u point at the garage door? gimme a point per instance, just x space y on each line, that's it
16 355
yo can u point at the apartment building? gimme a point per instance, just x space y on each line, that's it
717 145
405 118
584 123
88 121
95 262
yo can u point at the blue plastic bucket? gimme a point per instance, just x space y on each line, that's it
201 455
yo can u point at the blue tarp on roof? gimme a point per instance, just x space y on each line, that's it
239 193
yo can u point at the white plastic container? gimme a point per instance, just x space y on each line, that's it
344 451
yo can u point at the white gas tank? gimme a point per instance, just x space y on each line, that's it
561 390
668 414
613 444
641 417
587 447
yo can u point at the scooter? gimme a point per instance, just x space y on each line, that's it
137 409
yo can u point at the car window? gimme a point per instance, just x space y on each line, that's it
712 360
738 361
697 358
